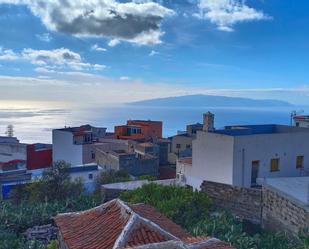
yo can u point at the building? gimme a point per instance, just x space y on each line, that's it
301 121
116 225
183 168
142 130
131 162
239 155
113 190
11 149
87 173
181 144
39 156
75 145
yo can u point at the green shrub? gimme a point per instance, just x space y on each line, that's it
180 204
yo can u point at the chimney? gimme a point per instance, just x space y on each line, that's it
208 122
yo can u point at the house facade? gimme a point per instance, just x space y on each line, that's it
301 121
239 155
74 145
144 130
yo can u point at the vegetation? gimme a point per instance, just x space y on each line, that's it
55 185
191 210
36 203
147 177
178 203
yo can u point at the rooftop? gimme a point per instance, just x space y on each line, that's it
79 130
116 224
296 188
185 160
302 117
246 130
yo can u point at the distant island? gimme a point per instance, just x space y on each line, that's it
211 101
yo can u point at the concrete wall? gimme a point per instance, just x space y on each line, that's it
64 149
282 213
212 158
245 203
13 151
87 177
262 148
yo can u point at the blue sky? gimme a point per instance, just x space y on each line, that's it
110 51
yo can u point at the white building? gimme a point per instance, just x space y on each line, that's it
301 121
11 149
238 155
82 145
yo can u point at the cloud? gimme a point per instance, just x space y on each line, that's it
96 47
226 13
113 42
8 55
46 37
61 58
153 53
124 78
135 21
73 86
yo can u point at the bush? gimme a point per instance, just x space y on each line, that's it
180 204
55 185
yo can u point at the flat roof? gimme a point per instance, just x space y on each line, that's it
246 130
296 188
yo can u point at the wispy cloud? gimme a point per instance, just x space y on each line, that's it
46 37
47 60
8 55
96 47
113 42
226 13
98 90
153 53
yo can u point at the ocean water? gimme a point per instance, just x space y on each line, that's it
35 124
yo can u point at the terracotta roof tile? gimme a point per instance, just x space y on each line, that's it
143 234
95 228
119 225
153 215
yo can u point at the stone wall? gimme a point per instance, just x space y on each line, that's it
282 213
246 203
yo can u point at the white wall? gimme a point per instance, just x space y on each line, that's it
12 151
285 146
64 149
212 159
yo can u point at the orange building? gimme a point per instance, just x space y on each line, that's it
139 130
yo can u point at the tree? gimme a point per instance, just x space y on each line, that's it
55 184
10 130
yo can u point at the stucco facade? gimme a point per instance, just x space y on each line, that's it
240 155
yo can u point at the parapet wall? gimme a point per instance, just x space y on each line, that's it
246 203
267 206
283 213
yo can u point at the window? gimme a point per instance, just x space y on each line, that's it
92 155
299 162
90 176
188 146
274 164
178 146
297 124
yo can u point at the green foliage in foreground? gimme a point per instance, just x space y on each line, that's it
180 204
191 210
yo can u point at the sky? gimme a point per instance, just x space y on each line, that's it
99 52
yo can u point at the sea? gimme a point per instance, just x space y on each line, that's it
34 125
